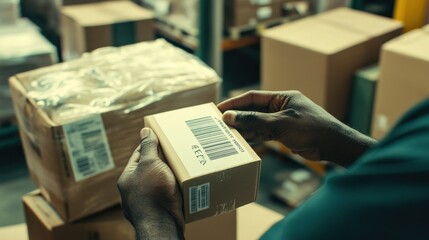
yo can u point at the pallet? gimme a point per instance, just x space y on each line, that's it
177 34
238 32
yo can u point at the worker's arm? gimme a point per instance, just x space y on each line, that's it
151 199
297 122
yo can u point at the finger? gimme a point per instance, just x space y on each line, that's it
249 100
149 145
248 120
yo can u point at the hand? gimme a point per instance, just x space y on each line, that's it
297 122
151 199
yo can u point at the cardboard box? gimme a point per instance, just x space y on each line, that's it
362 99
44 223
318 55
9 11
87 27
245 13
403 79
80 121
216 169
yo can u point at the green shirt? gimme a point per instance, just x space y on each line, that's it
384 195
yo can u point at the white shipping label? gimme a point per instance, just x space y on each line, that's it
202 140
88 148
199 198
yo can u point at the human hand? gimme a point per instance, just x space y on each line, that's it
151 199
297 122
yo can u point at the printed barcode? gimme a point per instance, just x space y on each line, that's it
193 193
211 137
199 198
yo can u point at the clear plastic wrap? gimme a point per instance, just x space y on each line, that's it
129 77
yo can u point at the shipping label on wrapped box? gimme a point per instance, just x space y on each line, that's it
215 167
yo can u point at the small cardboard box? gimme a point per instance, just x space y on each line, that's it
318 55
44 223
76 157
87 27
403 79
362 99
216 169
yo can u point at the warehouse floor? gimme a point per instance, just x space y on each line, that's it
241 68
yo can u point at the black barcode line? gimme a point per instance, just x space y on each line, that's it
211 137
193 193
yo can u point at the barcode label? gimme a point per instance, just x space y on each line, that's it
211 138
88 147
199 198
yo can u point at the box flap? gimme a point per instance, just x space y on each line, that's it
106 13
316 35
414 44
333 31
361 22
42 209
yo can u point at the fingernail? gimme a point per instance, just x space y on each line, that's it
229 117
144 133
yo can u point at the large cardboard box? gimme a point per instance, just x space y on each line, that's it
319 55
79 121
87 27
403 79
44 223
210 160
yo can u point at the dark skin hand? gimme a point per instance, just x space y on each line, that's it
151 198
294 120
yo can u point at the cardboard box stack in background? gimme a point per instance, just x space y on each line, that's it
87 27
79 121
362 98
22 48
244 13
318 55
403 79
44 223
9 11
209 159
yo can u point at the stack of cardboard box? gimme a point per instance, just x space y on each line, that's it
404 71
319 55
79 123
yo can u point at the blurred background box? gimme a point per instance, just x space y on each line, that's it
319 55
44 223
72 117
18 54
244 13
320 6
362 98
87 27
403 79
9 11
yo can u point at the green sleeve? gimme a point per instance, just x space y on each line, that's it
384 195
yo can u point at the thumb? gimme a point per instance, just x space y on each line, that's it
247 119
148 145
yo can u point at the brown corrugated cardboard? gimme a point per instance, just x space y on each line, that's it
87 27
318 55
68 177
403 79
209 159
44 223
